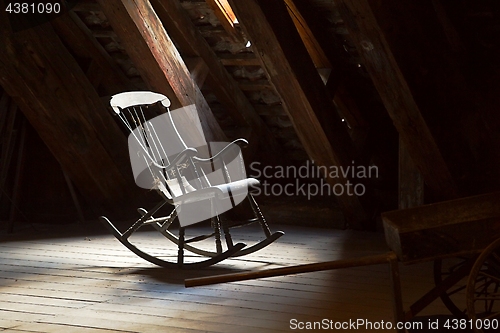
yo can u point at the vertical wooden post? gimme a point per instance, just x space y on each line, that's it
8 145
397 296
411 183
74 197
17 178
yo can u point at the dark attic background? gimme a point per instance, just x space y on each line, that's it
409 86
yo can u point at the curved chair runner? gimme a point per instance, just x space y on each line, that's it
171 165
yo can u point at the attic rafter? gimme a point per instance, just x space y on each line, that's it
226 17
328 61
315 51
78 36
61 104
292 72
226 89
397 96
157 59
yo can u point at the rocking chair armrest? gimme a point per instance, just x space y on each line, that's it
239 142
186 153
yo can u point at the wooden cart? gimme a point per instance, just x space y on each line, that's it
465 232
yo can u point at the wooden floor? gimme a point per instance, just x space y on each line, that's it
85 282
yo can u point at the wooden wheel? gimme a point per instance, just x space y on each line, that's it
483 295
452 298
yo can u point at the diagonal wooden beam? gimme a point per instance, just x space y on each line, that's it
395 92
226 89
52 91
226 17
317 54
290 69
157 59
79 38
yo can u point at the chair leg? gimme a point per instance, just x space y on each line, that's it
258 214
216 226
227 233
180 253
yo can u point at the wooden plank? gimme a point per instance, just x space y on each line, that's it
256 85
223 85
306 268
141 298
157 59
240 293
449 228
275 292
304 95
239 59
66 112
207 298
212 299
397 96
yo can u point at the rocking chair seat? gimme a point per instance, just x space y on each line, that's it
219 192
236 188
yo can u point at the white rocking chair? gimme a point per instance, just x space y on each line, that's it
166 154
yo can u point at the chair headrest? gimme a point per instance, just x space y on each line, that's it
133 98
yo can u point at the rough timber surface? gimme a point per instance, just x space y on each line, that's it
443 229
88 282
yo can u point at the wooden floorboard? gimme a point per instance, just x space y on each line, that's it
89 282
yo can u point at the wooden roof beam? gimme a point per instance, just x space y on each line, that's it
317 54
79 38
226 89
290 69
157 59
331 75
226 17
396 95
54 94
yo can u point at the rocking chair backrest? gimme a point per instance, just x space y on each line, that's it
155 141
